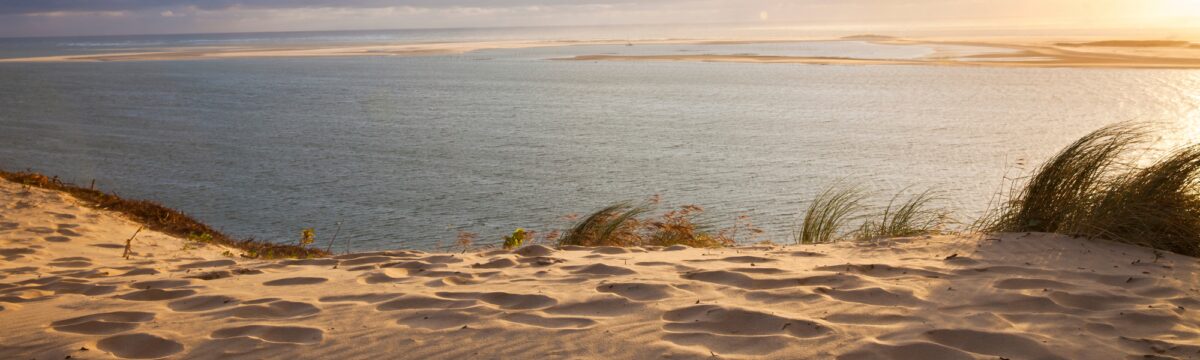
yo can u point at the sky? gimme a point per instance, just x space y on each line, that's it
111 17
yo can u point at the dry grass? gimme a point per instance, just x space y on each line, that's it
623 224
161 218
913 217
829 214
1088 189
1059 195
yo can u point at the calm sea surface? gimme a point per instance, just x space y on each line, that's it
407 151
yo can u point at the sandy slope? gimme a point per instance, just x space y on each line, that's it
65 291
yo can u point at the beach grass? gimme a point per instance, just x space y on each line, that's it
1093 188
161 218
626 224
913 217
829 214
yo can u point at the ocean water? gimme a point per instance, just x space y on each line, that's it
407 151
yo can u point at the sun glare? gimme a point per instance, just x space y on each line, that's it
1185 8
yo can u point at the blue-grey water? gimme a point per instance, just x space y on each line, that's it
407 151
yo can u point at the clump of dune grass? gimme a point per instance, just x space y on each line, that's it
1089 189
1060 194
829 214
614 225
626 224
913 217
161 218
1157 206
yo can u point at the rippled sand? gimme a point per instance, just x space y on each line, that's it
65 291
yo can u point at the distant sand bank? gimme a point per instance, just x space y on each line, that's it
1006 53
65 290
1015 55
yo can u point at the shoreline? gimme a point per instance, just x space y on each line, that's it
67 290
1013 53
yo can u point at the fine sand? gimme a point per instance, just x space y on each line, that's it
66 292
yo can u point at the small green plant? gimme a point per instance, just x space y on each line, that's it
514 241
828 214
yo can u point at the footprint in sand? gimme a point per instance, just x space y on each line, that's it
61 239
139 346
16 253
738 260
9 226
367 260
535 320
506 301
302 280
309 262
68 232
912 350
385 276
273 334
873 296
496 264
157 295
881 270
76 286
72 262
275 309
445 319
443 259
202 303
731 321
411 302
39 230
598 306
740 280
368 298
140 271
103 323
1030 283
534 251
639 291
207 264
600 269
872 318
160 284
610 250
992 343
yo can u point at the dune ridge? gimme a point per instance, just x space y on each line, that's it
1015 296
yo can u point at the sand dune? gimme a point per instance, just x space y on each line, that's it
1014 296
